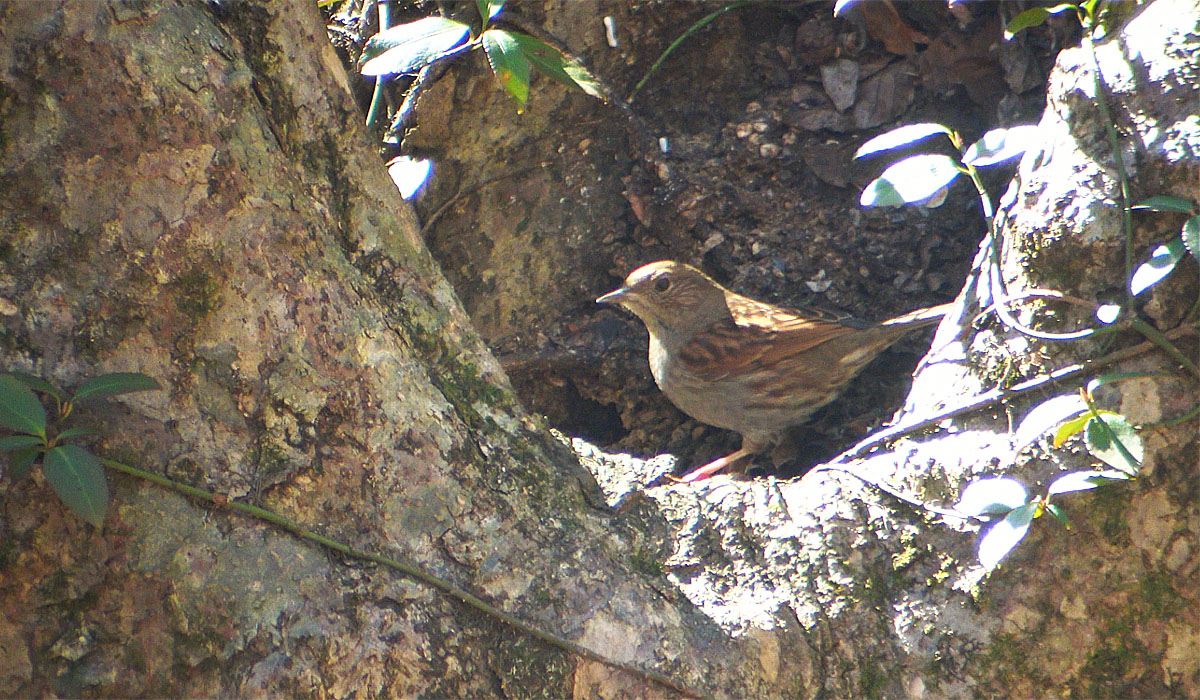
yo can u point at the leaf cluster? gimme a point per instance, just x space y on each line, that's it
73 472
408 48
924 178
1036 16
1108 436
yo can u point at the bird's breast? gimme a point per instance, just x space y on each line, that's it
670 376
694 396
659 362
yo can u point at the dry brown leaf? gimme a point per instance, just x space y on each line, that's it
885 95
958 58
886 26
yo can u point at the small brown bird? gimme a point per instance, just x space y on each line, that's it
744 365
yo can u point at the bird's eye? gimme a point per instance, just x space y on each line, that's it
662 284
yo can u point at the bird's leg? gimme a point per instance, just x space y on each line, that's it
716 465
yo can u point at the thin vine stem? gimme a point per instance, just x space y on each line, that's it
1156 336
1114 143
377 98
999 395
995 281
1000 295
408 569
675 44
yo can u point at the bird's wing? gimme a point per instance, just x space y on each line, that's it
756 336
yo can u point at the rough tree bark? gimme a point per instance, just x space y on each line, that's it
186 193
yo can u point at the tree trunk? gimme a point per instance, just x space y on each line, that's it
187 193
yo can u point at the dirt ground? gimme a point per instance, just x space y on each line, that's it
737 157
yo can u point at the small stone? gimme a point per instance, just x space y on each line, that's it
820 283
713 241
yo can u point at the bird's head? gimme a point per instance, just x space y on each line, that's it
673 299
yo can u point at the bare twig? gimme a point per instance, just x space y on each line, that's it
460 193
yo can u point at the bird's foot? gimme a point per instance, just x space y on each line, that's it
701 473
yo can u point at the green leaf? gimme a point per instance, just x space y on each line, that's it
1058 514
409 174
550 62
1161 262
991 496
1164 203
16 442
39 384
899 138
1111 439
406 48
508 63
582 78
1070 428
1034 17
1191 236
20 409
78 479
1108 313
998 145
1045 416
20 461
75 432
842 5
113 384
998 541
1082 481
1089 11
488 9
910 181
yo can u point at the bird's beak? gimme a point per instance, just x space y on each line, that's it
614 297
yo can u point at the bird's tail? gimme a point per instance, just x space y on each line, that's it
920 317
